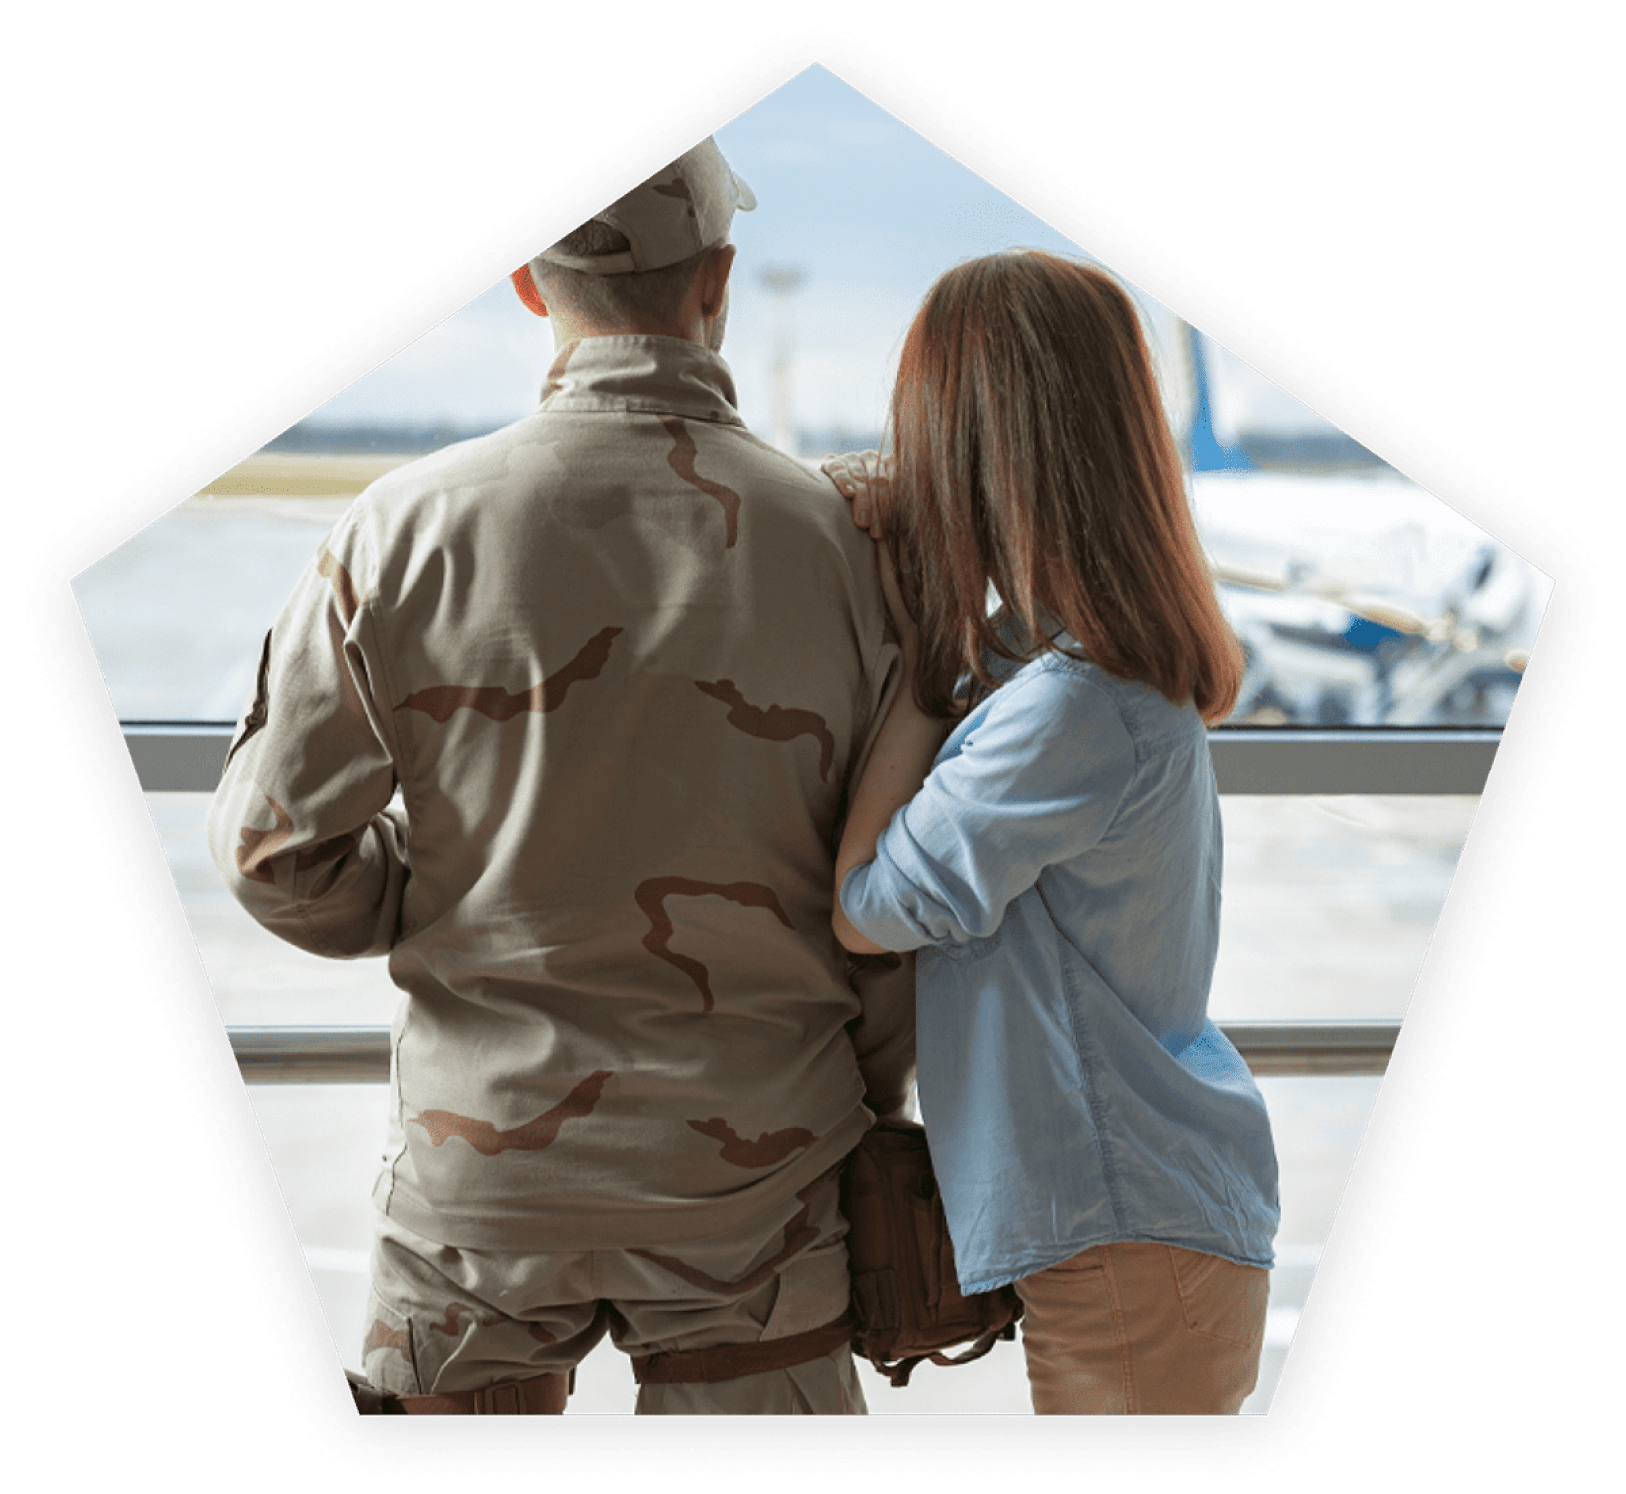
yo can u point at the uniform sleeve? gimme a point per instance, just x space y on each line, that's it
301 826
883 1036
1037 781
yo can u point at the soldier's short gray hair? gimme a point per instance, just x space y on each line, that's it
614 300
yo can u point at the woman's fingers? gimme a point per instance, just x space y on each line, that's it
858 476
850 485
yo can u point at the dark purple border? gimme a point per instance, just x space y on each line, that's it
875 1442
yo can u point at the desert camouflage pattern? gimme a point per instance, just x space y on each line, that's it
561 720
683 208
442 1320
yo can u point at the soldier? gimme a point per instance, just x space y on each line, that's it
562 719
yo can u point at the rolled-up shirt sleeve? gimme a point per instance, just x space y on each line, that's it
1036 780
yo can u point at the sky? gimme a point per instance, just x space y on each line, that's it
865 207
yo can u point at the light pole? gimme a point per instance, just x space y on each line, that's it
782 280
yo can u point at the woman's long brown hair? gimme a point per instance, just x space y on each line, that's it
1032 455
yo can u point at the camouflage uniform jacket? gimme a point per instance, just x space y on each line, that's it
563 718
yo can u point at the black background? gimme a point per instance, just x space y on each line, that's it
204 252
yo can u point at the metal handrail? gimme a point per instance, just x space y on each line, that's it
361 1055
187 756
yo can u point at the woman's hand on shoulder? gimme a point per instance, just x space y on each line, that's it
864 479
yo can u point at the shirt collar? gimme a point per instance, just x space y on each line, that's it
664 375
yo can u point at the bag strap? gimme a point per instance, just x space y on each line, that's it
1005 1332
897 1371
539 1395
545 1395
731 1361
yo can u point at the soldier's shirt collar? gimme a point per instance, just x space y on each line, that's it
656 375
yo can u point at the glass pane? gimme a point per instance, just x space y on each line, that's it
1330 902
177 614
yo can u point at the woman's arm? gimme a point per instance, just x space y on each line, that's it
898 764
1037 781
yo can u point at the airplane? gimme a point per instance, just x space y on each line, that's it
1360 599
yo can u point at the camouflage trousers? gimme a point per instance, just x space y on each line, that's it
442 1319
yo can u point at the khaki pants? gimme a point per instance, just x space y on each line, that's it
1143 1329
441 1319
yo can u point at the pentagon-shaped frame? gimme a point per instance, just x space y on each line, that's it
883 1442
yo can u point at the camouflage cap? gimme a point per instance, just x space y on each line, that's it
683 208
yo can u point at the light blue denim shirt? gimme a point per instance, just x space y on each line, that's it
1059 872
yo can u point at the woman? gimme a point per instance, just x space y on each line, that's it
1056 860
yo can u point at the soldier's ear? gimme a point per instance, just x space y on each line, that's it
714 280
528 293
